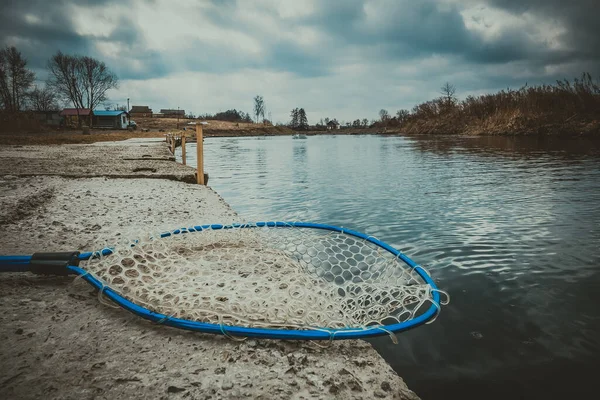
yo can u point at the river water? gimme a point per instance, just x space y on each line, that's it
510 227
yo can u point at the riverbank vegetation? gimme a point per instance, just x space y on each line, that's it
229 116
567 107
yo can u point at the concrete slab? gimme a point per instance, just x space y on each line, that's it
58 341
134 158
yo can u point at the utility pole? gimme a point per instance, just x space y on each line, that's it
128 116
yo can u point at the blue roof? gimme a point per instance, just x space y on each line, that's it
103 113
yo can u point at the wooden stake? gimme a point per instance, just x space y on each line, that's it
183 149
200 153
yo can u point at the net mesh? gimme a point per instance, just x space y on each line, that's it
265 277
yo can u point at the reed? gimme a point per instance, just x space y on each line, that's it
566 105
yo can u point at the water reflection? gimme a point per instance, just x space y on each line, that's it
300 172
519 146
509 226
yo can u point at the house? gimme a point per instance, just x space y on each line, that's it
71 115
332 125
140 112
48 118
172 113
110 119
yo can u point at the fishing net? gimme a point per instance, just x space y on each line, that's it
271 277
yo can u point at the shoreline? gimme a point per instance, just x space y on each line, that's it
563 131
572 129
290 132
73 346
507 126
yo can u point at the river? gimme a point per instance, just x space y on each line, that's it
510 227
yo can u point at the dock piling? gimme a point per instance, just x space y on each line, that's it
183 149
200 154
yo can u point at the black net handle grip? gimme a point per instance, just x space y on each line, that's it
53 263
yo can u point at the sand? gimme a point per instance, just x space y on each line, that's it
58 341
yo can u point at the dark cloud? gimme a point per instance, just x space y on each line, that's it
406 30
40 28
579 18
280 54
403 30
39 40
377 36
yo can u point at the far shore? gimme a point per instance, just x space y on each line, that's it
155 127
509 126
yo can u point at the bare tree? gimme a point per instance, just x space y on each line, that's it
81 80
96 80
259 107
448 91
384 115
402 115
64 79
15 79
43 99
365 122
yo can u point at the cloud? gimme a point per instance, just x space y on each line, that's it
344 59
578 17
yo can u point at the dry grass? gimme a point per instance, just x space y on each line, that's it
157 128
212 128
570 108
71 137
173 124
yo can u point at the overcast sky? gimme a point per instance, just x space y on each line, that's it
345 59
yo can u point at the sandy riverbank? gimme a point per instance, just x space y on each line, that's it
58 341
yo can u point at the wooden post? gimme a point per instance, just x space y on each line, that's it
200 153
173 143
183 149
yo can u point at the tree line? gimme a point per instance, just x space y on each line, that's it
561 102
233 115
81 81
229 115
565 100
299 121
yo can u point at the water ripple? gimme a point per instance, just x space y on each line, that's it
510 227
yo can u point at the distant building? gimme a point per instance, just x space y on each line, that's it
331 125
71 115
172 113
140 112
110 119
